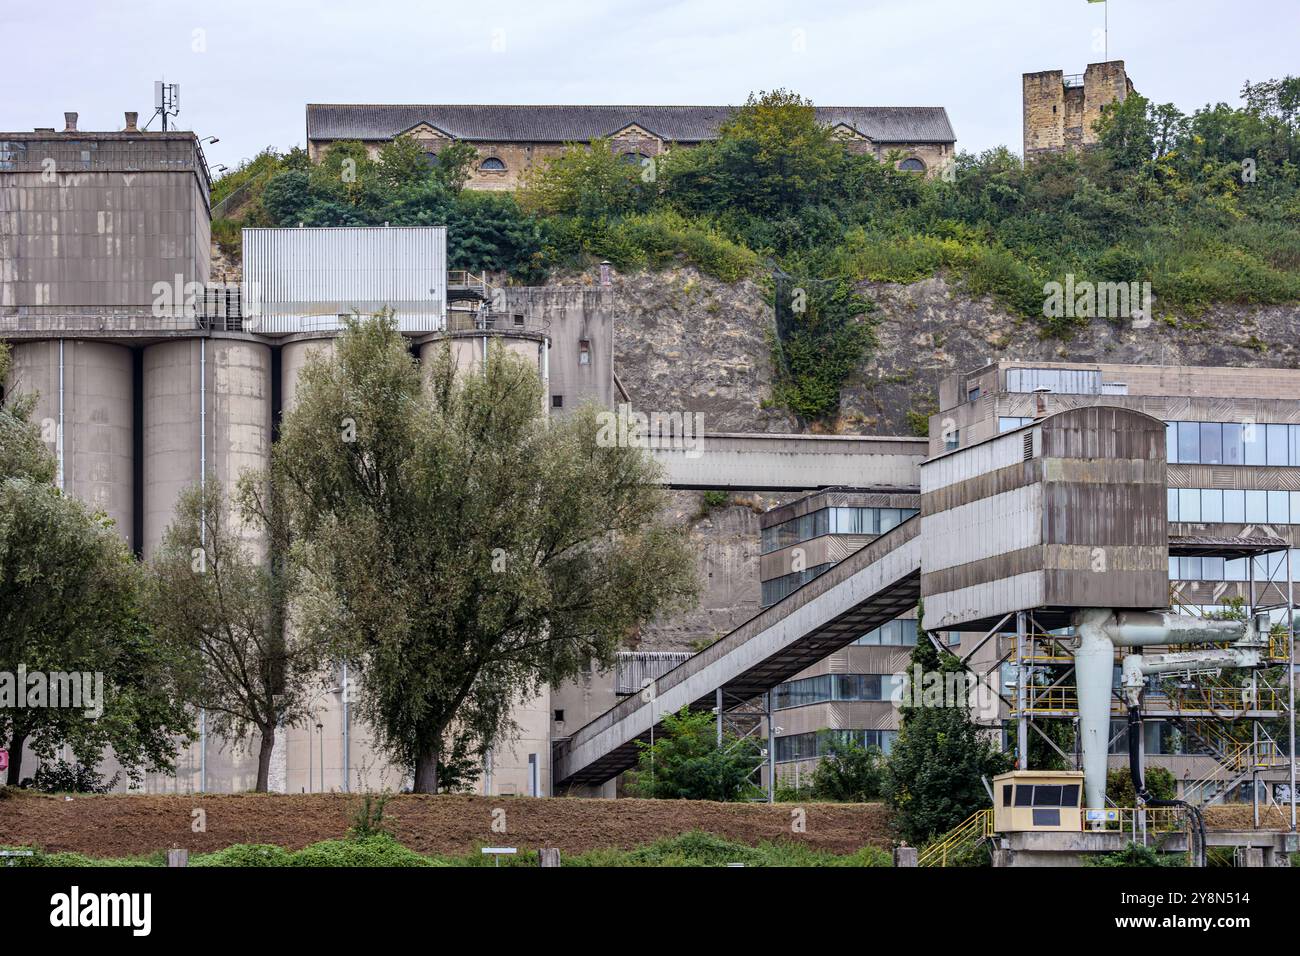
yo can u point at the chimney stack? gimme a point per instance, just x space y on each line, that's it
131 119
70 122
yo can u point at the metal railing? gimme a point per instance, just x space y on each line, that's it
960 839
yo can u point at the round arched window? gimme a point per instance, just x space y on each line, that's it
492 165
636 159
912 165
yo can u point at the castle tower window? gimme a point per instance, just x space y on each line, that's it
584 352
912 165
492 165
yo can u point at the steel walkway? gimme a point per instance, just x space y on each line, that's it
874 585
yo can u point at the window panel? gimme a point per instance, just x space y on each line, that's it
1189 504
1189 442
1211 443
1277 444
1232 448
1279 507
1254 439
1171 442
1234 506
1256 507
1211 504
1171 504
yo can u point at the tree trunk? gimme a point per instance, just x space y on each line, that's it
16 759
426 771
264 758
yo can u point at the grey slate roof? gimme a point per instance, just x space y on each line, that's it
563 124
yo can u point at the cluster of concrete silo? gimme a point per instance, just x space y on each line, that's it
133 428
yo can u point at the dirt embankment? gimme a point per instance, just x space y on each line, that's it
130 825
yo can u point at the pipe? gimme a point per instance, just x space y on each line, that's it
59 437
347 736
203 531
1144 796
1094 662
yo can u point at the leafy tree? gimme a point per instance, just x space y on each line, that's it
686 763
402 162
454 165
70 602
771 157
460 548
848 771
488 231
223 611
1159 781
287 197
934 774
589 182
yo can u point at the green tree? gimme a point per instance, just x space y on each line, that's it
461 548
771 158
686 763
589 182
70 602
454 164
402 161
223 612
847 771
933 778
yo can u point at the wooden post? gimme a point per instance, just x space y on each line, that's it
548 856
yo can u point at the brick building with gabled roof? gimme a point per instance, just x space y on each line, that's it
510 139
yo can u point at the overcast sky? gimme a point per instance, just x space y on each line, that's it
247 67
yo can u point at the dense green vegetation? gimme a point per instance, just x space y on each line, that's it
689 849
1205 207
934 775
684 762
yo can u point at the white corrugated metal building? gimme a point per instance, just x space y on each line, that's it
310 279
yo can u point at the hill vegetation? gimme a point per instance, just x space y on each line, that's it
1203 206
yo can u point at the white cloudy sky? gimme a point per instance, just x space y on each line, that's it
247 67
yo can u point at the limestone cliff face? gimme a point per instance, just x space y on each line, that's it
687 342
725 540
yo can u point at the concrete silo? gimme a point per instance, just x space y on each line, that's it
84 409
206 412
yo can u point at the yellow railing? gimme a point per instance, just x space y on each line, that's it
1127 819
1213 699
966 834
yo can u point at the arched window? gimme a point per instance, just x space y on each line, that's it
492 165
912 165
636 159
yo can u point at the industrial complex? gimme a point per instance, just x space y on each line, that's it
1073 533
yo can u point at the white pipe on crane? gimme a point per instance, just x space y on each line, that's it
1100 631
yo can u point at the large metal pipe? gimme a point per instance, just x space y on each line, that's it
1101 630
1094 662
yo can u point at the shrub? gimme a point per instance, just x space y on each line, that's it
244 854
1135 854
381 850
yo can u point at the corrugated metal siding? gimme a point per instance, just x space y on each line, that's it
304 280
